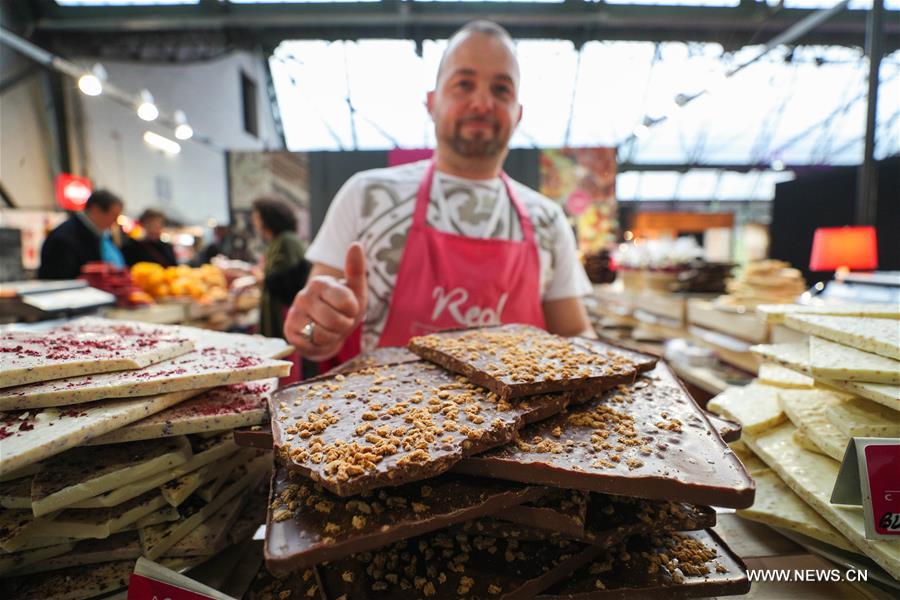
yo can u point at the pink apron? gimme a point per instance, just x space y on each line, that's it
450 281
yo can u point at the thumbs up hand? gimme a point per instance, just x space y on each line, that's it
334 306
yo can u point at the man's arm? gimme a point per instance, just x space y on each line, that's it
567 317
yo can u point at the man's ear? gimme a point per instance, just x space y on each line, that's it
429 102
521 111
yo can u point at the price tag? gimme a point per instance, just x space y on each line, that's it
883 466
144 588
870 477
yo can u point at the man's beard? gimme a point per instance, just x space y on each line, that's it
476 147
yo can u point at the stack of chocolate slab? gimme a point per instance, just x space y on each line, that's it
839 381
116 442
507 463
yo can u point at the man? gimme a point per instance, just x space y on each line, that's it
151 248
83 238
447 243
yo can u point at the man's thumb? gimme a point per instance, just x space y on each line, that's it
355 271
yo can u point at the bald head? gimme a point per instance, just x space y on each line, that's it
482 28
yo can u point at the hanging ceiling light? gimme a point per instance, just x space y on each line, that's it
154 140
91 84
147 109
183 131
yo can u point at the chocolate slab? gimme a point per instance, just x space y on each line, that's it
29 358
391 425
255 436
120 546
73 583
729 431
298 584
679 565
307 524
219 409
518 360
648 439
391 355
562 511
611 519
440 565
205 367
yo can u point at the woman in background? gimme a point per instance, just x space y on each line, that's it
275 222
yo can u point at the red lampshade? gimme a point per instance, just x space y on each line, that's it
850 247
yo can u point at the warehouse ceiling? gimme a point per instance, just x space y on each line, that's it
593 72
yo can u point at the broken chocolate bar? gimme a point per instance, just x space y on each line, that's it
675 565
392 425
444 565
308 525
648 439
518 360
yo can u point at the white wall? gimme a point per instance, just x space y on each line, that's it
25 168
190 186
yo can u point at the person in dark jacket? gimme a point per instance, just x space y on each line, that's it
275 222
150 248
84 237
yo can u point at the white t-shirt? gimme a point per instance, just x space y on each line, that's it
376 207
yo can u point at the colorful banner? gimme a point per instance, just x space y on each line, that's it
583 181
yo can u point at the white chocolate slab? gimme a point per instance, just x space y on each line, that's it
205 452
86 472
176 491
795 355
119 546
16 528
779 376
830 360
157 540
879 336
15 563
205 367
858 417
16 493
806 410
775 313
807 444
166 514
211 536
776 505
27 437
99 523
239 342
754 406
29 358
219 409
812 476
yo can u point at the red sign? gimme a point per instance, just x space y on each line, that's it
144 588
72 191
883 463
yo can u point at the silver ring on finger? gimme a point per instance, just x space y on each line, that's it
307 332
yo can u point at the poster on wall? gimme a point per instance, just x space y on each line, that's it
281 174
583 181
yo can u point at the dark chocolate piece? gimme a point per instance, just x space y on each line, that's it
676 565
610 520
386 426
302 584
729 431
257 436
444 565
563 511
648 439
519 360
379 357
307 524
